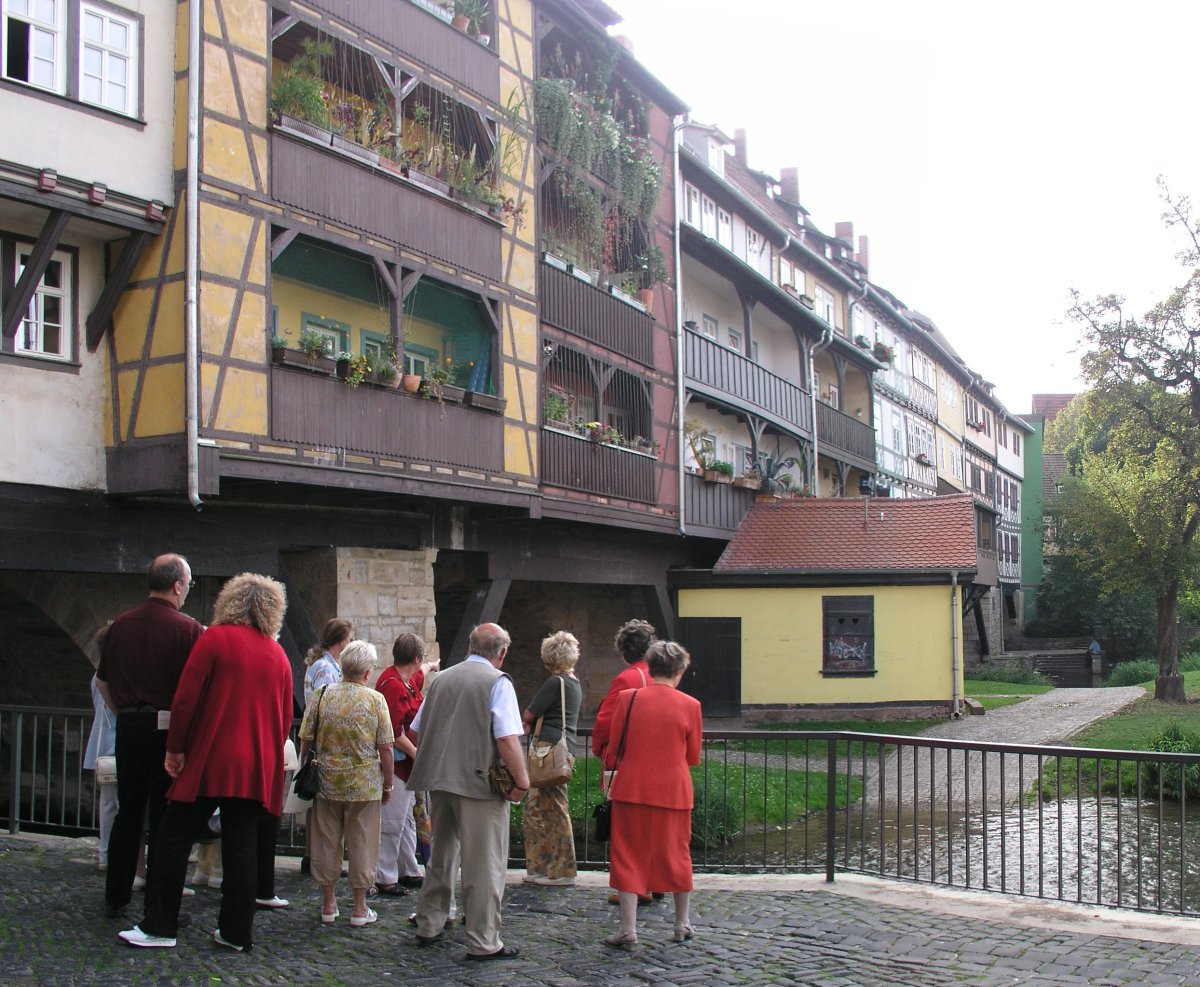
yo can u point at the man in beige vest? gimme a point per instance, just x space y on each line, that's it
469 717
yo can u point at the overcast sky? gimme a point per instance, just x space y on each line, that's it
995 155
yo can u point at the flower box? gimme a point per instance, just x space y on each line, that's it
355 150
428 182
302 128
295 358
748 482
439 11
477 399
583 275
554 261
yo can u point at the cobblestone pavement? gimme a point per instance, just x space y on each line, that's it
773 931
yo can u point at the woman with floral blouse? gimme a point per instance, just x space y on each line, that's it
354 758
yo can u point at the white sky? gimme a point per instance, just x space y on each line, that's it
995 155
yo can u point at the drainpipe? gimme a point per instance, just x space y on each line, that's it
191 334
956 703
680 396
826 340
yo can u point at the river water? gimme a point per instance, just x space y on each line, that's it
1134 855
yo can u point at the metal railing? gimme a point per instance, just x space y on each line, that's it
1098 827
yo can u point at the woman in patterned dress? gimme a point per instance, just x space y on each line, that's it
354 754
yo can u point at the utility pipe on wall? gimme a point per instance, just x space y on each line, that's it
956 702
680 398
191 333
826 340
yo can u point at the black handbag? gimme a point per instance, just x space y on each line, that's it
307 782
602 814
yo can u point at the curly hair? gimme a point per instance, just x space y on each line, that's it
632 640
666 659
560 652
254 600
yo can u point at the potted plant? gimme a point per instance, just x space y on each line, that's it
411 383
469 16
358 369
278 348
386 374
883 352
437 385
651 270
313 345
299 93
718 471
557 405
775 477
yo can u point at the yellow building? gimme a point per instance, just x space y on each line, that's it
834 607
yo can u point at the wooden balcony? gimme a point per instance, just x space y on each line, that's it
840 434
317 411
352 193
714 510
577 463
581 308
425 38
725 374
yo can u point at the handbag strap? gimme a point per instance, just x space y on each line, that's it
317 718
562 705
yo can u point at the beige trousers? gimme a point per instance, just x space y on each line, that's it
352 825
471 834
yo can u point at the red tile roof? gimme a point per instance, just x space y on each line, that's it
844 534
1051 404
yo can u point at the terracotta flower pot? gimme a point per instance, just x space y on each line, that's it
411 383
460 22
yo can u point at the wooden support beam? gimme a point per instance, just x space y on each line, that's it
407 283
281 241
39 259
282 26
386 275
100 317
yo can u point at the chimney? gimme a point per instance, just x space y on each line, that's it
789 185
844 231
739 146
863 256
625 42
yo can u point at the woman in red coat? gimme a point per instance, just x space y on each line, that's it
229 719
652 791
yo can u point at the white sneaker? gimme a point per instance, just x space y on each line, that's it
274 902
555 882
220 940
200 877
532 878
189 892
139 883
215 883
136 937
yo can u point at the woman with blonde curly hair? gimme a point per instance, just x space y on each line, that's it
229 719
549 840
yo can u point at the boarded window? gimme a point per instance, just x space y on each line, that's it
849 635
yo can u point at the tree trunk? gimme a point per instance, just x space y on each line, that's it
1168 687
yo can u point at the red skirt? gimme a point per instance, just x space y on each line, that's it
648 849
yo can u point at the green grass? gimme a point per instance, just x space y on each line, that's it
978 687
1132 729
997 702
816 748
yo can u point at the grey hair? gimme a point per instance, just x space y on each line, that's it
359 657
666 659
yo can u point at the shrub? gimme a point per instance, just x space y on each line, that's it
1190 662
1164 778
1014 674
1133 672
713 819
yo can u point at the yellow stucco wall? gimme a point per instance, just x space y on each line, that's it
782 643
294 298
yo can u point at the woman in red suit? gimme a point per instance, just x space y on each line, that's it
652 791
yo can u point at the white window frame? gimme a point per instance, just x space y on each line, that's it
725 228
824 300
736 340
691 205
708 217
110 54
56 31
710 327
34 319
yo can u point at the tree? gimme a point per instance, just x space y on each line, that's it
1136 449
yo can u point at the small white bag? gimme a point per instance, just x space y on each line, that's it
106 769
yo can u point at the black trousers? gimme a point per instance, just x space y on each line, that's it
268 836
142 784
239 860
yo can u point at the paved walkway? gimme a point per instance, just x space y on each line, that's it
970 778
764 930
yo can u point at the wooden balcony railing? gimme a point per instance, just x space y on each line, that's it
322 412
714 509
723 373
427 39
577 463
353 193
838 432
585 310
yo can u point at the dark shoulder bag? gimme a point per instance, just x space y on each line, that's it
602 814
307 782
